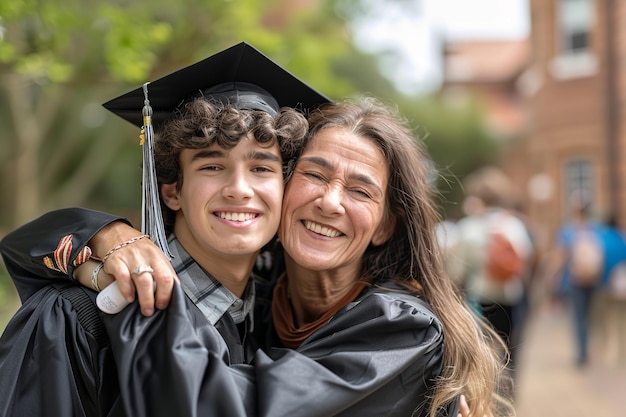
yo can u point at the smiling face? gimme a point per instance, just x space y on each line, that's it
230 200
334 204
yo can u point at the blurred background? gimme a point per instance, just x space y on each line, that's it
534 87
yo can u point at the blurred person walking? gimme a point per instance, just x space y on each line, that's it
496 252
577 265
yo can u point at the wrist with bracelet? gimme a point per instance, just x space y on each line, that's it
121 245
98 268
94 276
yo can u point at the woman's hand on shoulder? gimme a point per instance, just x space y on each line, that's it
463 407
137 264
464 410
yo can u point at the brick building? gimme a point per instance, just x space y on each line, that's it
569 128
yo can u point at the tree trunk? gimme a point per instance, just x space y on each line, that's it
28 137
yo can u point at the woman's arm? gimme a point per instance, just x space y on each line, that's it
51 246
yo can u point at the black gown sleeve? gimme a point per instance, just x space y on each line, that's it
379 356
52 365
29 251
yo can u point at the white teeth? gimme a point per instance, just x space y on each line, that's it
238 217
321 230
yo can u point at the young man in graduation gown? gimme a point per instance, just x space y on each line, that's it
221 194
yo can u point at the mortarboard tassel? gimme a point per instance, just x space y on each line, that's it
151 219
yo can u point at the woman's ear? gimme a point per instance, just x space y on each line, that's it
384 231
169 194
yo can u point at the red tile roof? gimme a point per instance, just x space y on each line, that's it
485 61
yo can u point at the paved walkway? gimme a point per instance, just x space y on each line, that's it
549 385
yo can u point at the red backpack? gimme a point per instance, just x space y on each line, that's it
503 261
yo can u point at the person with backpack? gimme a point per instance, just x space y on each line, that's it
496 252
580 259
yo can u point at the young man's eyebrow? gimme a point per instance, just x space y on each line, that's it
223 153
213 153
323 163
263 156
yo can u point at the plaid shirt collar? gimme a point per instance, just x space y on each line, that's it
206 292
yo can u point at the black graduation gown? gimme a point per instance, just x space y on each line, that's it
55 357
53 363
378 356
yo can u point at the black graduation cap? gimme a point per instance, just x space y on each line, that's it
239 75
229 73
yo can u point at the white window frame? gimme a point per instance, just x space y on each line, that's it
574 17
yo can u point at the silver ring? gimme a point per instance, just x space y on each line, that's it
142 269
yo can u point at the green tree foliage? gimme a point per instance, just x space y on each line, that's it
458 142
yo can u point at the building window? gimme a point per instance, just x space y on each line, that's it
574 23
579 177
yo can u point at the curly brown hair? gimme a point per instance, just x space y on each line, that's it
200 123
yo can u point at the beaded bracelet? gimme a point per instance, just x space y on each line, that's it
94 277
121 245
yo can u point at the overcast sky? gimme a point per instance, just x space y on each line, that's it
417 33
